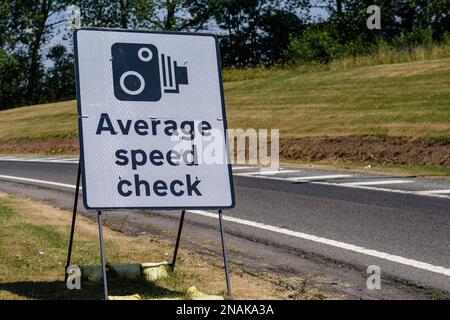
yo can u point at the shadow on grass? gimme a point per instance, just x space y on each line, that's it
57 290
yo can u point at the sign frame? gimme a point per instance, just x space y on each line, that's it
80 123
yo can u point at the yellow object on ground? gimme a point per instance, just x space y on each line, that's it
193 294
154 271
131 297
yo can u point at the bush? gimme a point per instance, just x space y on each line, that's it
418 37
312 46
446 39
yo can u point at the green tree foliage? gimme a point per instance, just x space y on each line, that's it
405 24
116 13
251 31
314 45
27 26
35 68
59 83
12 80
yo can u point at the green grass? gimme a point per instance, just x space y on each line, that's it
6 213
28 274
349 97
405 99
380 57
408 99
39 122
33 250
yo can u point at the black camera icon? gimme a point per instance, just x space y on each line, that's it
138 70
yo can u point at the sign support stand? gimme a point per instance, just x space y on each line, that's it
102 253
74 216
224 251
102 246
180 227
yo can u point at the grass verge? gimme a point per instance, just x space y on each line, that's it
33 248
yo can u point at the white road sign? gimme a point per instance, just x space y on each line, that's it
152 120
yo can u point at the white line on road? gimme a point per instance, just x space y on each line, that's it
432 192
271 172
40 159
312 179
338 244
416 193
324 177
374 183
38 181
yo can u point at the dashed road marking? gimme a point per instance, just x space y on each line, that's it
374 183
271 172
324 177
416 193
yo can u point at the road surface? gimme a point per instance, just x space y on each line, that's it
329 226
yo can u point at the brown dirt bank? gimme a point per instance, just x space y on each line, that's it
370 150
51 146
357 149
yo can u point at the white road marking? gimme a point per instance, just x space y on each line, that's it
271 172
416 193
338 244
333 243
324 177
38 181
41 159
365 185
430 192
374 183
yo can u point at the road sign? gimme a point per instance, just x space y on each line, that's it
152 120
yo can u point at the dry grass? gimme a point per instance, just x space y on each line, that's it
28 227
409 99
403 99
55 120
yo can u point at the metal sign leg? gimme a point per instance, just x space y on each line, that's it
224 250
74 215
180 227
102 253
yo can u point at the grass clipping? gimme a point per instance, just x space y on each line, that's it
33 249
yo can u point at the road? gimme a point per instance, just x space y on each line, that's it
315 223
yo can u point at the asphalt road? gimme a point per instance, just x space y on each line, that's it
311 226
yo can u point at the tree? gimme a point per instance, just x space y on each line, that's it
34 23
5 21
116 13
60 78
11 79
278 28
246 27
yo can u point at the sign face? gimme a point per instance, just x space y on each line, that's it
152 120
